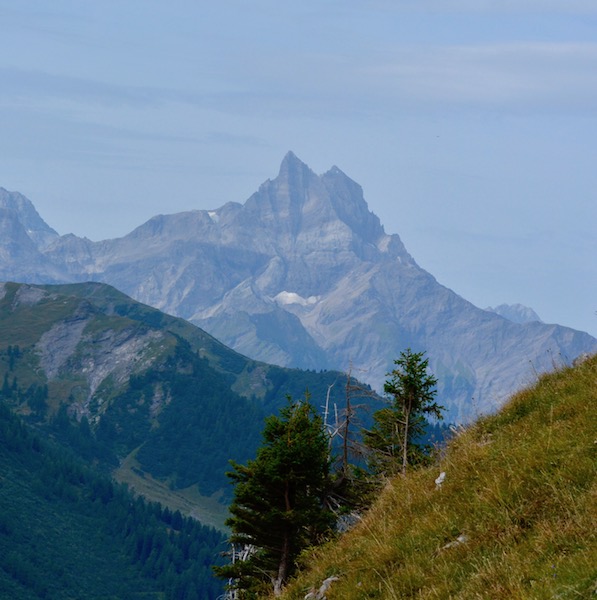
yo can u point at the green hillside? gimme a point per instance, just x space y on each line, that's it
149 397
514 518
67 532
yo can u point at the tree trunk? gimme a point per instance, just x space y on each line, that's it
282 567
346 427
405 442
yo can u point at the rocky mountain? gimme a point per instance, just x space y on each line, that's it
23 237
303 274
16 210
517 313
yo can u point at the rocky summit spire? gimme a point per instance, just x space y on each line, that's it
294 172
350 205
292 163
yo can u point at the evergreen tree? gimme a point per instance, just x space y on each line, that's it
393 439
278 507
6 392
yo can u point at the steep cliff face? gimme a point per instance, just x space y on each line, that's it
303 274
24 212
74 348
68 342
23 238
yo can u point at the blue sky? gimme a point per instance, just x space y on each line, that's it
471 125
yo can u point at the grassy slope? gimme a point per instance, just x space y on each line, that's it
206 509
519 485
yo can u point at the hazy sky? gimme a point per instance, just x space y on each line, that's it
471 124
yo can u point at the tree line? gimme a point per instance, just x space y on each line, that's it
295 492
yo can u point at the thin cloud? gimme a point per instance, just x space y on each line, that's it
513 77
544 76
483 6
520 76
32 84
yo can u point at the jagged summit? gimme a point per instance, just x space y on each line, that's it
295 175
24 211
350 205
292 163
313 208
304 199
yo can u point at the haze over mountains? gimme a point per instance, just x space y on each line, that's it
302 274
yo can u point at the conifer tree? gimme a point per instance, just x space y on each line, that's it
278 506
393 438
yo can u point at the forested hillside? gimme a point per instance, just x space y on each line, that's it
67 531
125 385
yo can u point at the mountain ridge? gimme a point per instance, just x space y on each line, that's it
303 274
516 313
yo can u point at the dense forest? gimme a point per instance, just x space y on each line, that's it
202 424
67 531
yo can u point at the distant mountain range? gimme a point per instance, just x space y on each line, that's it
302 274
517 313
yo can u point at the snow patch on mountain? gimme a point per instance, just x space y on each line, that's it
285 298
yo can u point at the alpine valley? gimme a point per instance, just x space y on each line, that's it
303 275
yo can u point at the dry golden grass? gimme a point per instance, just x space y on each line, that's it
520 493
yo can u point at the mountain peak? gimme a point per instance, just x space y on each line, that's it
517 313
334 171
37 229
291 158
293 169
